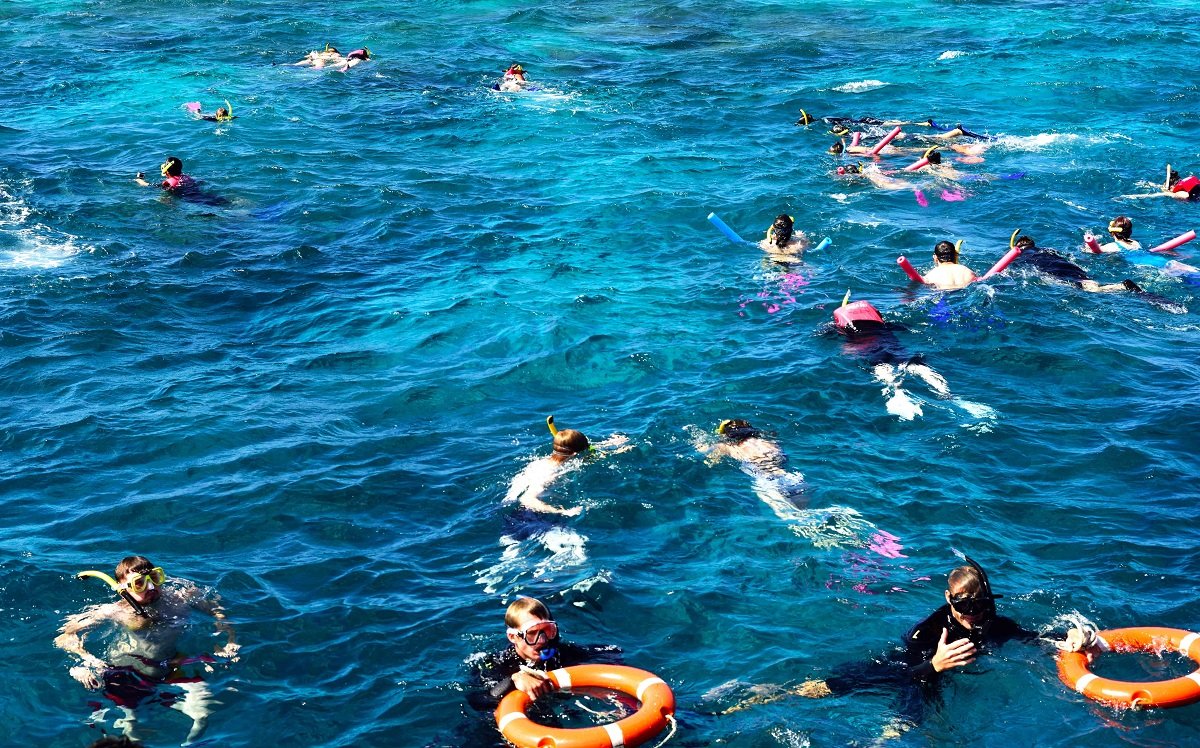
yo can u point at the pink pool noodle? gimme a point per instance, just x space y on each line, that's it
1092 244
918 164
854 138
1177 241
883 143
1004 262
908 269
193 106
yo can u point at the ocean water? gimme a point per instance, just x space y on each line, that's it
309 386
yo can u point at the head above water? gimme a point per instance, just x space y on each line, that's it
359 54
736 429
805 118
935 158
781 230
1121 227
569 442
945 252
837 147
172 167
1024 243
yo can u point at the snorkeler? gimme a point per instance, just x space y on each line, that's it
223 114
174 180
321 58
530 484
513 80
947 274
1121 230
783 243
150 616
952 637
1187 188
1056 266
761 459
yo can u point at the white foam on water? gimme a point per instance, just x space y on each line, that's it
38 246
860 86
951 54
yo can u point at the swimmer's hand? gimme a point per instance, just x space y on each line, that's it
532 684
1082 639
141 175
229 651
88 674
955 654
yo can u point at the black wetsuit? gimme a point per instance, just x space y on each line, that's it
877 343
1053 264
908 671
492 675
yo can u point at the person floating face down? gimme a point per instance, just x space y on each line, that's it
1051 263
947 274
530 484
1181 189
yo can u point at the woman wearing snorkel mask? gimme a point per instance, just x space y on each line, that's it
150 617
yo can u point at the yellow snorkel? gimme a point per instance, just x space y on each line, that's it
550 425
846 298
228 110
930 150
115 588
1012 240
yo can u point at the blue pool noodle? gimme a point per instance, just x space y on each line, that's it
824 243
733 237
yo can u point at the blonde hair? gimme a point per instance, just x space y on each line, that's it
521 605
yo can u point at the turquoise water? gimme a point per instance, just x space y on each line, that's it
310 389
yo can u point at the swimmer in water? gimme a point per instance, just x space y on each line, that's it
321 58
1181 189
947 274
783 243
762 460
1121 230
874 175
1055 265
150 617
223 114
531 483
513 81
174 180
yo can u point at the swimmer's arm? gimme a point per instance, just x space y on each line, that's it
534 504
141 179
71 637
214 609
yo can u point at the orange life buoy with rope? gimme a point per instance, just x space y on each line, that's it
658 705
1073 669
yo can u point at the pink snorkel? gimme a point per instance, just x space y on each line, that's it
883 143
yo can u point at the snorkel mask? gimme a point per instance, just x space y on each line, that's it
988 611
736 429
121 591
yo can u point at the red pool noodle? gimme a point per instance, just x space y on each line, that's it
1004 262
886 139
920 164
1092 244
908 269
1177 241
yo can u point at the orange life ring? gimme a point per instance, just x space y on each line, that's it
1073 669
658 703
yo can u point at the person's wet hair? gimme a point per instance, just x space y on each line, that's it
570 442
1025 242
837 147
736 429
174 167
1121 227
139 564
781 230
945 252
1172 177
935 158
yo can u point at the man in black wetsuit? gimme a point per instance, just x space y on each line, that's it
1055 265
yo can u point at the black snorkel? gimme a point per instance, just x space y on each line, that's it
986 590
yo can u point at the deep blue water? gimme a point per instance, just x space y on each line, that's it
310 387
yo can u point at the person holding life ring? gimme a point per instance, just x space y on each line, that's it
535 648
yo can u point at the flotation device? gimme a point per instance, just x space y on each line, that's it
658 705
1092 243
860 311
883 143
729 233
1176 242
1073 669
1187 184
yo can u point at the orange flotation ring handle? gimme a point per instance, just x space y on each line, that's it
658 704
1073 669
